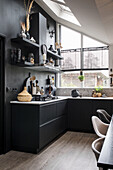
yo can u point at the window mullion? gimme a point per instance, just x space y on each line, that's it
82 57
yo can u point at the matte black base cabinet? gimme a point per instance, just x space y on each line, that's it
51 130
34 126
80 112
79 115
25 125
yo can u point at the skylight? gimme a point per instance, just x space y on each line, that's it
60 8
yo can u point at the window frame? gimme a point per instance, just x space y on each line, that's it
82 50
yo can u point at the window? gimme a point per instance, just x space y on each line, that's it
62 11
83 53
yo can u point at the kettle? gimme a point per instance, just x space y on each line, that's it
75 93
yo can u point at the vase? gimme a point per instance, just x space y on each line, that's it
27 26
27 35
59 51
24 96
51 48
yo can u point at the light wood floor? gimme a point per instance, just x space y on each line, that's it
72 151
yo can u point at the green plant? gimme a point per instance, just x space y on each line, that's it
98 88
81 77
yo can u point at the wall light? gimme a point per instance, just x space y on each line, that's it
51 33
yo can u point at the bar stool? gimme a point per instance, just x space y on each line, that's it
103 115
100 128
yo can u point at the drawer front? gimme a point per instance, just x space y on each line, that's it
48 132
47 113
61 108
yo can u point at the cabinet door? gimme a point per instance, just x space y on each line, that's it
51 130
79 115
47 113
25 127
61 108
102 104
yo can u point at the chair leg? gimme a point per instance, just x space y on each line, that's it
100 168
103 168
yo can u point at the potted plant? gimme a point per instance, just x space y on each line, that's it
98 90
81 77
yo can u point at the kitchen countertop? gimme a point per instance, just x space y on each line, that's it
60 98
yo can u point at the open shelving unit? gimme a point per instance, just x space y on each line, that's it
54 55
46 68
25 42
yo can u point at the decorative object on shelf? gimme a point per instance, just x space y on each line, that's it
98 90
31 58
51 62
15 55
19 55
33 40
42 91
51 33
58 47
23 59
44 52
37 88
81 77
27 35
51 48
28 7
24 96
23 30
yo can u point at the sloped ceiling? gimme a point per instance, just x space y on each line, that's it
95 17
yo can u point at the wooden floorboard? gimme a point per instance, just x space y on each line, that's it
72 151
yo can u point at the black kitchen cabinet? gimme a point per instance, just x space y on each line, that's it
102 104
34 126
47 113
79 115
25 127
53 121
61 108
51 130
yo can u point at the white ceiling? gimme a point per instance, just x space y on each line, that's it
95 17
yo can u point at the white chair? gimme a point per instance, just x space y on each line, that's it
103 115
100 128
96 147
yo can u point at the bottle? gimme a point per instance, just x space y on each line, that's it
33 89
18 55
42 91
48 81
27 83
15 56
12 56
37 87
50 90
53 82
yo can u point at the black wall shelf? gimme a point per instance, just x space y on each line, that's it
54 55
25 42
